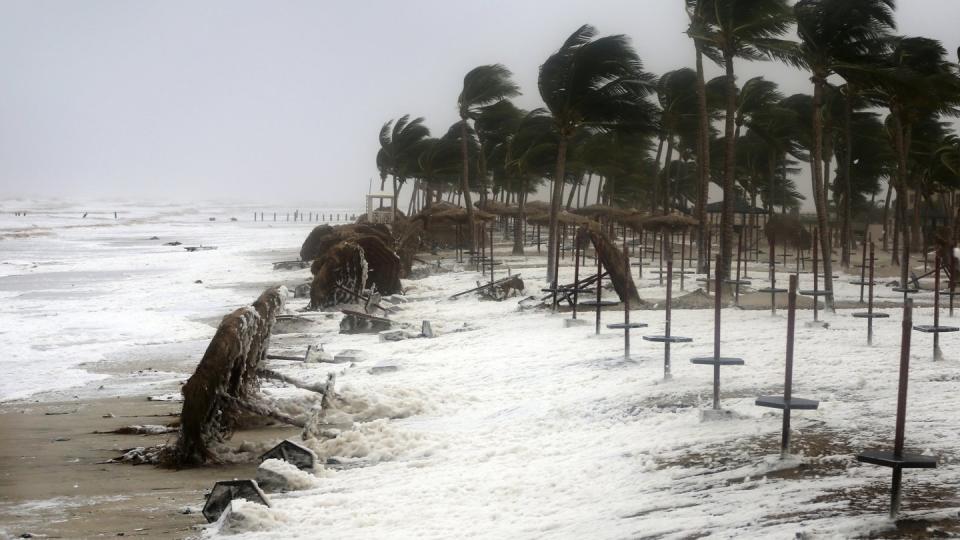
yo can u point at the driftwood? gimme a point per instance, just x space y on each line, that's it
614 262
225 378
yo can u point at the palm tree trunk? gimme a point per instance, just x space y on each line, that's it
396 196
845 230
465 185
656 176
902 194
886 213
555 201
819 190
518 222
726 214
666 176
703 165
586 190
573 191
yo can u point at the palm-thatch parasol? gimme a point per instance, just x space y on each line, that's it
788 230
563 218
670 222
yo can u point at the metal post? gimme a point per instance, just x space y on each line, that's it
937 354
788 377
716 339
773 274
666 348
901 405
816 275
662 242
863 266
626 306
491 254
870 302
683 245
739 254
576 275
953 279
599 281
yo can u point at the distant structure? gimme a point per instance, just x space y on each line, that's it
378 213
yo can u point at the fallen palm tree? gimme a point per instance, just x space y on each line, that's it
350 259
614 262
225 386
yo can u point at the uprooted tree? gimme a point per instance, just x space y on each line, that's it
613 261
225 386
348 259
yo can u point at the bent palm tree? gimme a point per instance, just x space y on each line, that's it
834 34
746 29
592 82
482 86
399 150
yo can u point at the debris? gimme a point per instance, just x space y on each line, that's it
355 322
174 243
225 491
427 330
293 453
382 367
349 355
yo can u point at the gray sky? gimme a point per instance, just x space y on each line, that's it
282 100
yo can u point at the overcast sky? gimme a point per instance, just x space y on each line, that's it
282 100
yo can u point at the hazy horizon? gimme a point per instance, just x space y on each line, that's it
281 102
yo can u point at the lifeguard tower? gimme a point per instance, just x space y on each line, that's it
377 212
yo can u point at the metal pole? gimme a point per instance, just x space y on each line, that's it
683 245
953 279
870 303
626 306
901 405
773 273
816 276
863 266
937 354
599 281
666 348
576 275
491 254
662 248
716 340
739 254
788 377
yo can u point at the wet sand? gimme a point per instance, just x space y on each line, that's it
53 482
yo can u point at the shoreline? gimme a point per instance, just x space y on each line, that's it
54 482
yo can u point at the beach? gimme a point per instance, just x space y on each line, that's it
506 423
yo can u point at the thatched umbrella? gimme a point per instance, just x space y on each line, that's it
536 207
788 230
670 223
564 218
459 216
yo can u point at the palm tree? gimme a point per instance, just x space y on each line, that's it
916 82
834 34
746 29
482 86
699 27
399 149
591 82
677 94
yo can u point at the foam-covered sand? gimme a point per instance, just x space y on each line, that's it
508 424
